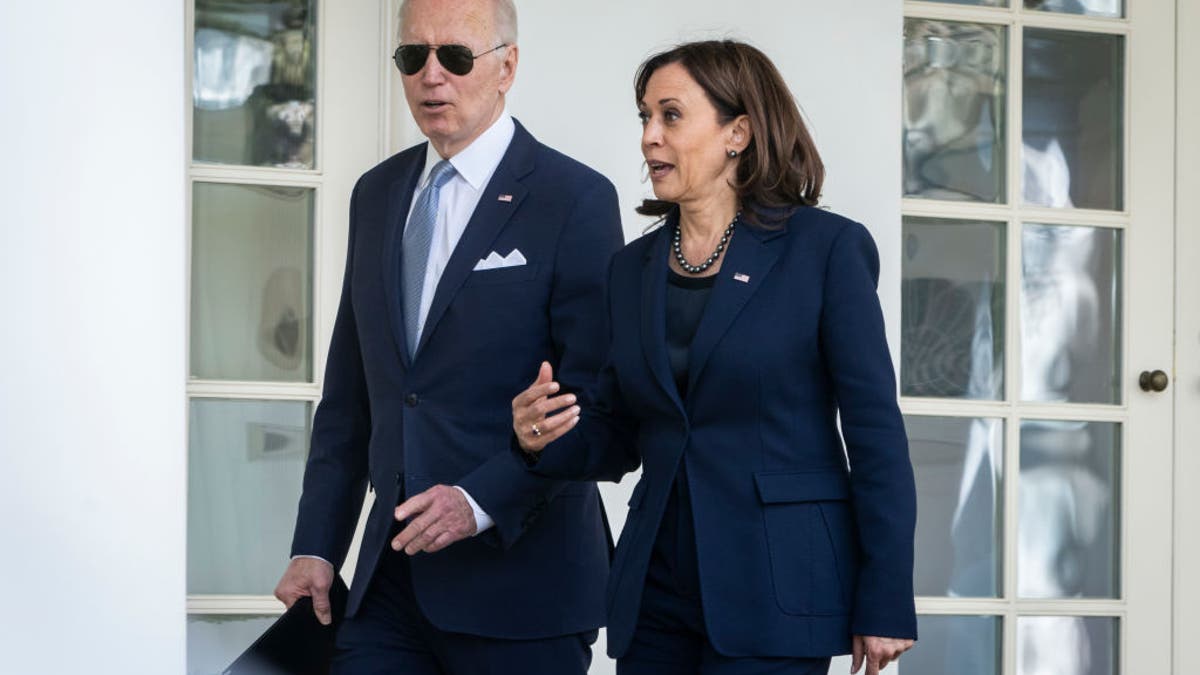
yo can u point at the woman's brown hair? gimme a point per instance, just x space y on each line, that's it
780 169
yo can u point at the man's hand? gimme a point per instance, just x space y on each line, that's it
311 577
879 651
440 517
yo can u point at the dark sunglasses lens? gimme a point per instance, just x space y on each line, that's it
456 58
410 59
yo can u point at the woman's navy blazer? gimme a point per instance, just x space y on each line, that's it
797 549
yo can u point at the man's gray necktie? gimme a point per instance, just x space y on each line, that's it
418 235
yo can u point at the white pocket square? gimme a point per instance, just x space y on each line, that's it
495 261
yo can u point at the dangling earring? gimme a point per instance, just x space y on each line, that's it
732 154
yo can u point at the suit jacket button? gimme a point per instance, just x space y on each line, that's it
412 400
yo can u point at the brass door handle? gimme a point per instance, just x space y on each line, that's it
1153 381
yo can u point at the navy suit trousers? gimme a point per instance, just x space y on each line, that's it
671 638
389 634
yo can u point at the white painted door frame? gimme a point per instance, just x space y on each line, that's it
1186 384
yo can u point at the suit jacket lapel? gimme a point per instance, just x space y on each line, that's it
400 196
490 216
654 312
750 256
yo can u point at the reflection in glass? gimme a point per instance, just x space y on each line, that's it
979 3
954 645
1109 8
1068 537
954 84
1067 645
251 282
214 640
253 88
952 309
958 462
245 464
1071 314
1073 129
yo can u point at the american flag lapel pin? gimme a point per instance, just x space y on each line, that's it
744 278
506 198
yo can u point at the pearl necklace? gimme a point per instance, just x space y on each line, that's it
697 269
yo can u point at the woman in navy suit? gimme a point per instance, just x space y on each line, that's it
756 541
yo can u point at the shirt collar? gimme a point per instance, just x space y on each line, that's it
476 162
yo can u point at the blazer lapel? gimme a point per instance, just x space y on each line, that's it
750 256
654 313
490 216
399 200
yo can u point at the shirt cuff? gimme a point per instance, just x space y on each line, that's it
482 520
314 557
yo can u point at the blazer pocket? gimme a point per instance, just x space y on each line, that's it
809 550
503 275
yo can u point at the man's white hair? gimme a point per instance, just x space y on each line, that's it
504 13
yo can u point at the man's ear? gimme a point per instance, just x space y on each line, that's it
508 68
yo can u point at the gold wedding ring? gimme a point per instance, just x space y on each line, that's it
536 431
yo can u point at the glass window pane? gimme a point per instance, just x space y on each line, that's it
1071 314
245 466
214 640
959 467
1110 8
1068 538
251 282
952 309
253 89
1067 645
1073 119
955 76
954 645
978 3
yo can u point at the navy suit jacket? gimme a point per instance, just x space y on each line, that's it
401 426
796 551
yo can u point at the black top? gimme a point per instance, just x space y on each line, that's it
686 298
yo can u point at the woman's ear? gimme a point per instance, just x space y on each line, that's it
740 133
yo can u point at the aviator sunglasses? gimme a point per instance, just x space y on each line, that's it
457 59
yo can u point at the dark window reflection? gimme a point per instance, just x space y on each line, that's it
954 88
254 90
952 309
1073 119
1109 8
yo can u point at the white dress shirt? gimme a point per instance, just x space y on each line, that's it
473 168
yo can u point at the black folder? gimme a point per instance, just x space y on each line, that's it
296 644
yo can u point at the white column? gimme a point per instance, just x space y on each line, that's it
92 343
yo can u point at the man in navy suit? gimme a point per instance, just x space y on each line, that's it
471 259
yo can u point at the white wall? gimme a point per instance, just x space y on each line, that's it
92 344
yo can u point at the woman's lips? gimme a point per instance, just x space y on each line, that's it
658 170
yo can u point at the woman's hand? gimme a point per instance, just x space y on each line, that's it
879 652
533 422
